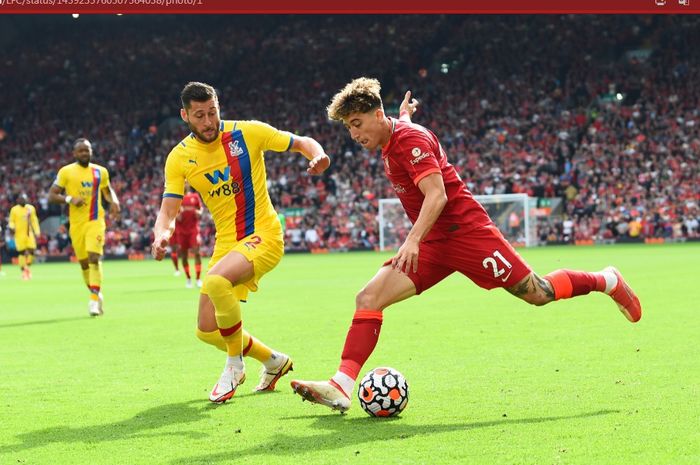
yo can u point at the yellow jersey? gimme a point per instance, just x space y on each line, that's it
23 221
86 182
229 174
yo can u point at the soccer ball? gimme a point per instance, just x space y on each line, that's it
383 392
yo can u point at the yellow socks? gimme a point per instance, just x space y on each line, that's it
94 279
253 347
227 310
214 338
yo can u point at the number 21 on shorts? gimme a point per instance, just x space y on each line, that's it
491 262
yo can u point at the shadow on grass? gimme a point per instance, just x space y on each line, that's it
140 425
338 432
44 322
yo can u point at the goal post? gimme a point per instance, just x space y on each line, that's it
512 213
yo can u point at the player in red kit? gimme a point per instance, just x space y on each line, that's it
451 232
187 234
174 253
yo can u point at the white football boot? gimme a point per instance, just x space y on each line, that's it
94 308
322 392
226 387
269 378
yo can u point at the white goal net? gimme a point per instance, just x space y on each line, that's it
512 213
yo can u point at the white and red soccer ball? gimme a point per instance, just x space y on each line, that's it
383 392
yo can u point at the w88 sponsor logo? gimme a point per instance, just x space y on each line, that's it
231 188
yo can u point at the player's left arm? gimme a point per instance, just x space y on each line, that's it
111 197
433 188
282 141
34 223
165 225
312 151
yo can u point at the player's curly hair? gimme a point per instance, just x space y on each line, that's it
359 96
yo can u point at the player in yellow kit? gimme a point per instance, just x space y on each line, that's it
83 185
224 162
24 224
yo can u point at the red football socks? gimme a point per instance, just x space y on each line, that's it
568 283
360 341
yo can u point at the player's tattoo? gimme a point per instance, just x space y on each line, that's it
546 287
520 289
533 284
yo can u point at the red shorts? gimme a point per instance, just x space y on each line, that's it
482 255
188 239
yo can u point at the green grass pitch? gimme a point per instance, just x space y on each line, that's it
492 380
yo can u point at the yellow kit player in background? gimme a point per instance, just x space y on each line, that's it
83 185
224 162
25 226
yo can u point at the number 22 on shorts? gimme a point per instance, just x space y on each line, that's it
253 242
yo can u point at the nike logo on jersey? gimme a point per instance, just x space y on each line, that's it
192 161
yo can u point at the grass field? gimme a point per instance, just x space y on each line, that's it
492 380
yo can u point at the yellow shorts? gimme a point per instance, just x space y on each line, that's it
264 249
23 242
88 237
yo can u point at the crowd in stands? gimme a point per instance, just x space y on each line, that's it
601 111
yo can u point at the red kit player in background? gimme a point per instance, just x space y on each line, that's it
187 236
451 232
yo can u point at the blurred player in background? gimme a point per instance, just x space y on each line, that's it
224 162
451 232
187 234
174 253
24 224
82 186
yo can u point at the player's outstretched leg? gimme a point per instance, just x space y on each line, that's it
565 284
326 393
359 344
624 297
387 287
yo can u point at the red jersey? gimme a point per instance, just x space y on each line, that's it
414 152
188 219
